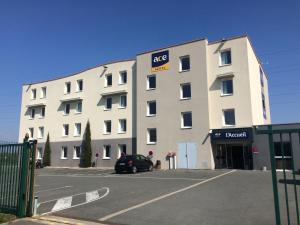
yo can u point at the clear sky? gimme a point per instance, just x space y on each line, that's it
45 39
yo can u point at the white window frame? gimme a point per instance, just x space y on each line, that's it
41 132
43 92
31 132
148 83
223 117
77 132
121 81
181 91
120 131
222 87
104 152
64 130
66 88
220 57
32 115
148 136
62 155
148 108
120 102
182 120
105 127
75 152
65 109
180 63
39 153
33 94
41 112
106 83
120 150
77 108
105 106
77 85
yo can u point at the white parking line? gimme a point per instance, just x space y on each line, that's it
53 189
162 197
155 178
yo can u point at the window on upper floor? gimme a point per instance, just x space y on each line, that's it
122 126
77 130
31 132
261 74
225 57
123 101
184 63
43 92
123 77
33 94
67 109
67 87
186 120
65 129
108 80
226 87
185 91
151 82
108 103
151 108
41 132
151 136
107 127
79 107
228 117
43 110
79 85
32 113
264 106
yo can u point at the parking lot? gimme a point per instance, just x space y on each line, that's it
159 197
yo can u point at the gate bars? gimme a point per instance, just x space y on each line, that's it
270 132
17 165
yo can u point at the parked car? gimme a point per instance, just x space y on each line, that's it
133 164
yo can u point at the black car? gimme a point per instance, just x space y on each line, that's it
133 164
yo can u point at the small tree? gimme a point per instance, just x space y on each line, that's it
47 153
86 153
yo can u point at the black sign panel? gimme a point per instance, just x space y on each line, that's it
239 134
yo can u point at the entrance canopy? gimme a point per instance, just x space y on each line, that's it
232 134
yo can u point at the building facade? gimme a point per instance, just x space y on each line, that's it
174 104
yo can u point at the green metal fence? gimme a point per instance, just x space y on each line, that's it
284 182
17 164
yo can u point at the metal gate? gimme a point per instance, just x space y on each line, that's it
17 164
288 211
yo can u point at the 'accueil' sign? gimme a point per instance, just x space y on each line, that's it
160 61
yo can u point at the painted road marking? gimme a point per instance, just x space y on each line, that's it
92 195
66 202
62 203
156 178
162 197
53 189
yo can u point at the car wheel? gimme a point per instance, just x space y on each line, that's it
134 169
150 168
117 171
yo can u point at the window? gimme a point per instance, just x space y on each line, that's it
106 152
261 73
79 107
151 82
64 152
264 106
185 91
123 77
151 108
184 64
43 92
33 94
107 127
39 153
67 109
65 129
76 152
32 113
122 150
43 112
77 131
108 104
227 87
225 58
31 132
41 132
123 101
151 136
228 117
122 126
67 87
283 158
79 85
108 80
186 120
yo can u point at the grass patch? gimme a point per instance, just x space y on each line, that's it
6 217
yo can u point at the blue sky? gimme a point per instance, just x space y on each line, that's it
45 39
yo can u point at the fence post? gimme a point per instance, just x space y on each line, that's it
32 178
